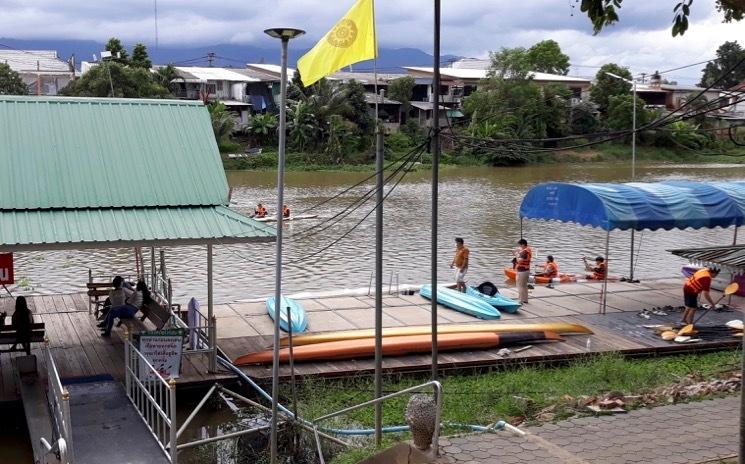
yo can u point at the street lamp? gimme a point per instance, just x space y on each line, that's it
633 158
284 34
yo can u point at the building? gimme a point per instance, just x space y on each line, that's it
671 96
41 70
243 91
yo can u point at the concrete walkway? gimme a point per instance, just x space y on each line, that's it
681 433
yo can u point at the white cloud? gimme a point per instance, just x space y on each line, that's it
641 40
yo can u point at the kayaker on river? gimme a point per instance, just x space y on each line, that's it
598 270
523 255
260 211
460 264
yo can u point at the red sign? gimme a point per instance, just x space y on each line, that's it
6 269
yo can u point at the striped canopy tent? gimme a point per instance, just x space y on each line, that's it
638 206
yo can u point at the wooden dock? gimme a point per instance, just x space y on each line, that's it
80 351
245 327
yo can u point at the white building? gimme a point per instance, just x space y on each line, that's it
41 70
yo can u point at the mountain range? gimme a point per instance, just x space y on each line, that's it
390 60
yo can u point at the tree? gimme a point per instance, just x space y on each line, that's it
729 55
140 58
127 82
118 52
358 112
583 119
510 63
11 82
262 127
621 112
402 89
223 123
546 56
165 77
603 13
607 86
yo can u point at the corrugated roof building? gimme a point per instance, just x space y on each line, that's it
102 172
42 70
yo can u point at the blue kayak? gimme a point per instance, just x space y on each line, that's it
297 314
458 301
500 302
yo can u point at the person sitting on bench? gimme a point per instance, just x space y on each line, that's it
22 320
134 303
118 295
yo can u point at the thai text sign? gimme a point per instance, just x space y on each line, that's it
6 269
162 349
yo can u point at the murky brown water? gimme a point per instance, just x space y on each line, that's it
479 204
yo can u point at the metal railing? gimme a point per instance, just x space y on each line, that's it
153 397
390 283
437 391
199 337
58 399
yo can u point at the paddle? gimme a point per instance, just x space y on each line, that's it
730 290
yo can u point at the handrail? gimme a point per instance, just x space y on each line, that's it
59 449
59 405
437 390
153 397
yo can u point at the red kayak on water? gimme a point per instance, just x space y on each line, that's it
396 346
563 278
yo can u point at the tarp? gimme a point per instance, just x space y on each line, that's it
639 206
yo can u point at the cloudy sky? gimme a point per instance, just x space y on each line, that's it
641 41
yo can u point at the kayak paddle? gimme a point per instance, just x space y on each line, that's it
729 290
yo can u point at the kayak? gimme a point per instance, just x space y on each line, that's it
291 218
298 317
563 328
459 301
563 278
395 346
500 302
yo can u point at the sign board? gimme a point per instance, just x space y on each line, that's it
162 349
6 269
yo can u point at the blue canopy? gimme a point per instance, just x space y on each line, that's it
663 205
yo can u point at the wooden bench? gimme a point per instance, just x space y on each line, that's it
9 336
154 312
96 291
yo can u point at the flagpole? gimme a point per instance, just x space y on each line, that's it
435 180
378 250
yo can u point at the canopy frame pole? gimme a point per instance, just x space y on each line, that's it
521 227
211 312
734 237
631 262
604 297
435 180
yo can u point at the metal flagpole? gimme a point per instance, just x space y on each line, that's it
435 178
378 256
285 34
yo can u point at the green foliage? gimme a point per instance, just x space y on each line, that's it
621 112
398 142
415 132
223 124
607 86
128 82
11 82
604 13
401 90
583 119
262 127
509 63
546 56
729 54
165 77
118 52
685 134
140 58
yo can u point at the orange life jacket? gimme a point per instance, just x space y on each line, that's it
286 212
698 282
551 269
260 211
599 271
523 259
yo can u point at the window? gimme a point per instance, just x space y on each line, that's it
219 86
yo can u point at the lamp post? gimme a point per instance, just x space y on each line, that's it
284 34
633 157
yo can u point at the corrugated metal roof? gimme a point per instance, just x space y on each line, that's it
215 74
61 152
724 256
113 227
29 61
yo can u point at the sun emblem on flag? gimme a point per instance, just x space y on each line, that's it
344 34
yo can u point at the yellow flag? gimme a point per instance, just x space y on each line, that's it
350 41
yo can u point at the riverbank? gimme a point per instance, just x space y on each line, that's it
362 162
525 395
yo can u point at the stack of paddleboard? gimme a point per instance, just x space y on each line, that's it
698 333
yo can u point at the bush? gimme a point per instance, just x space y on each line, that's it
398 142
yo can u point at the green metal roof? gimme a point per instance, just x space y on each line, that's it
123 227
58 152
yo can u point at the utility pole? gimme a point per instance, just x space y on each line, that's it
38 78
210 58
435 179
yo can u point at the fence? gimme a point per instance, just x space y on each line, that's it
59 408
153 397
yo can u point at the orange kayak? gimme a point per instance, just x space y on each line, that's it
563 278
395 346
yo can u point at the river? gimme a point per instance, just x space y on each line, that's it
479 204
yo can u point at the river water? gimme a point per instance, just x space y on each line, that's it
479 204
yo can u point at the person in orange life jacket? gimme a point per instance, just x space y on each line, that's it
550 268
260 211
460 264
698 284
523 255
598 270
285 211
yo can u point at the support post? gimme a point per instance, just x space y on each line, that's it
435 178
633 137
521 227
605 281
734 237
173 449
210 313
152 267
631 262
379 284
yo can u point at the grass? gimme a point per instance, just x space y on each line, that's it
520 392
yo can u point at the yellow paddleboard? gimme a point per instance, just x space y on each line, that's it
497 327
